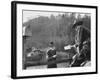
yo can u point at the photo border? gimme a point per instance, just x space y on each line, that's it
14 38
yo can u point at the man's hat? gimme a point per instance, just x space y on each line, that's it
77 24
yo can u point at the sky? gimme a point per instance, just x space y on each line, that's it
27 15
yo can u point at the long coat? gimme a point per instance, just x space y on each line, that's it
51 59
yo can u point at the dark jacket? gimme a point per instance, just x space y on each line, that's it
51 59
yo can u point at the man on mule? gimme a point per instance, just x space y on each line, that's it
82 44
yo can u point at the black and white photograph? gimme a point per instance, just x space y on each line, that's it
54 39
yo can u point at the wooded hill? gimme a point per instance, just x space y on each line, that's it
54 28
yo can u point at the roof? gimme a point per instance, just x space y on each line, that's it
27 31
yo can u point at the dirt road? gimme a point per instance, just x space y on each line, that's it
59 65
